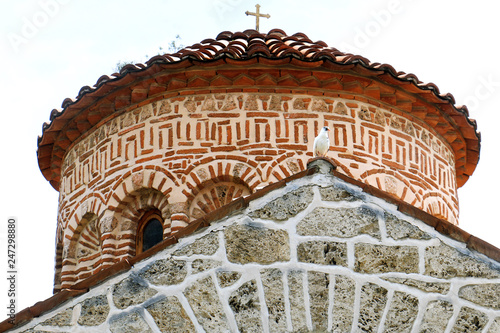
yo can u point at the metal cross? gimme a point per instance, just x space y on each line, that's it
257 15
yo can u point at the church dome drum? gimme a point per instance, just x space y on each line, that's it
160 144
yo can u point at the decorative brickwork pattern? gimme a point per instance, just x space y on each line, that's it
187 156
249 60
326 282
187 133
85 250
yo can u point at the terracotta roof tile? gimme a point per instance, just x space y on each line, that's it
252 47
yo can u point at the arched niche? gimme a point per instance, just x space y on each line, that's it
130 216
215 193
83 255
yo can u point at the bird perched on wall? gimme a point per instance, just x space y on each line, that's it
322 142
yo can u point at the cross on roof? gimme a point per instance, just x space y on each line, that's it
257 15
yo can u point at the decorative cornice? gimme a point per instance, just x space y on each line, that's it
246 59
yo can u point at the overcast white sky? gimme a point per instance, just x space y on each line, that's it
49 49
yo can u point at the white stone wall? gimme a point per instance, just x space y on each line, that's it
317 255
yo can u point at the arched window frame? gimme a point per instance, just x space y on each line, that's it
146 217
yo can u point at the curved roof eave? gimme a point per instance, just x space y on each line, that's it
252 45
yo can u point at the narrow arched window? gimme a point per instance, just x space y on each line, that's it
149 232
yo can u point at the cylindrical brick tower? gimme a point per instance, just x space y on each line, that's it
163 143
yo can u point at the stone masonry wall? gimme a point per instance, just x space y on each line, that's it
189 155
317 255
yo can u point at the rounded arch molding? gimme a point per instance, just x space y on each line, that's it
157 178
132 196
436 204
413 190
81 253
219 180
119 226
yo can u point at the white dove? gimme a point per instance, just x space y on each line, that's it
322 142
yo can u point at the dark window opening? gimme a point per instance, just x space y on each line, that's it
149 231
152 234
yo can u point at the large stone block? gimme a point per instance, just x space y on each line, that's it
131 291
400 229
131 323
204 300
318 299
247 244
446 262
335 193
436 317
63 318
286 206
430 287
469 320
94 311
487 295
372 304
339 222
374 258
402 313
170 316
323 253
245 304
206 245
272 280
165 272
343 304
297 302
